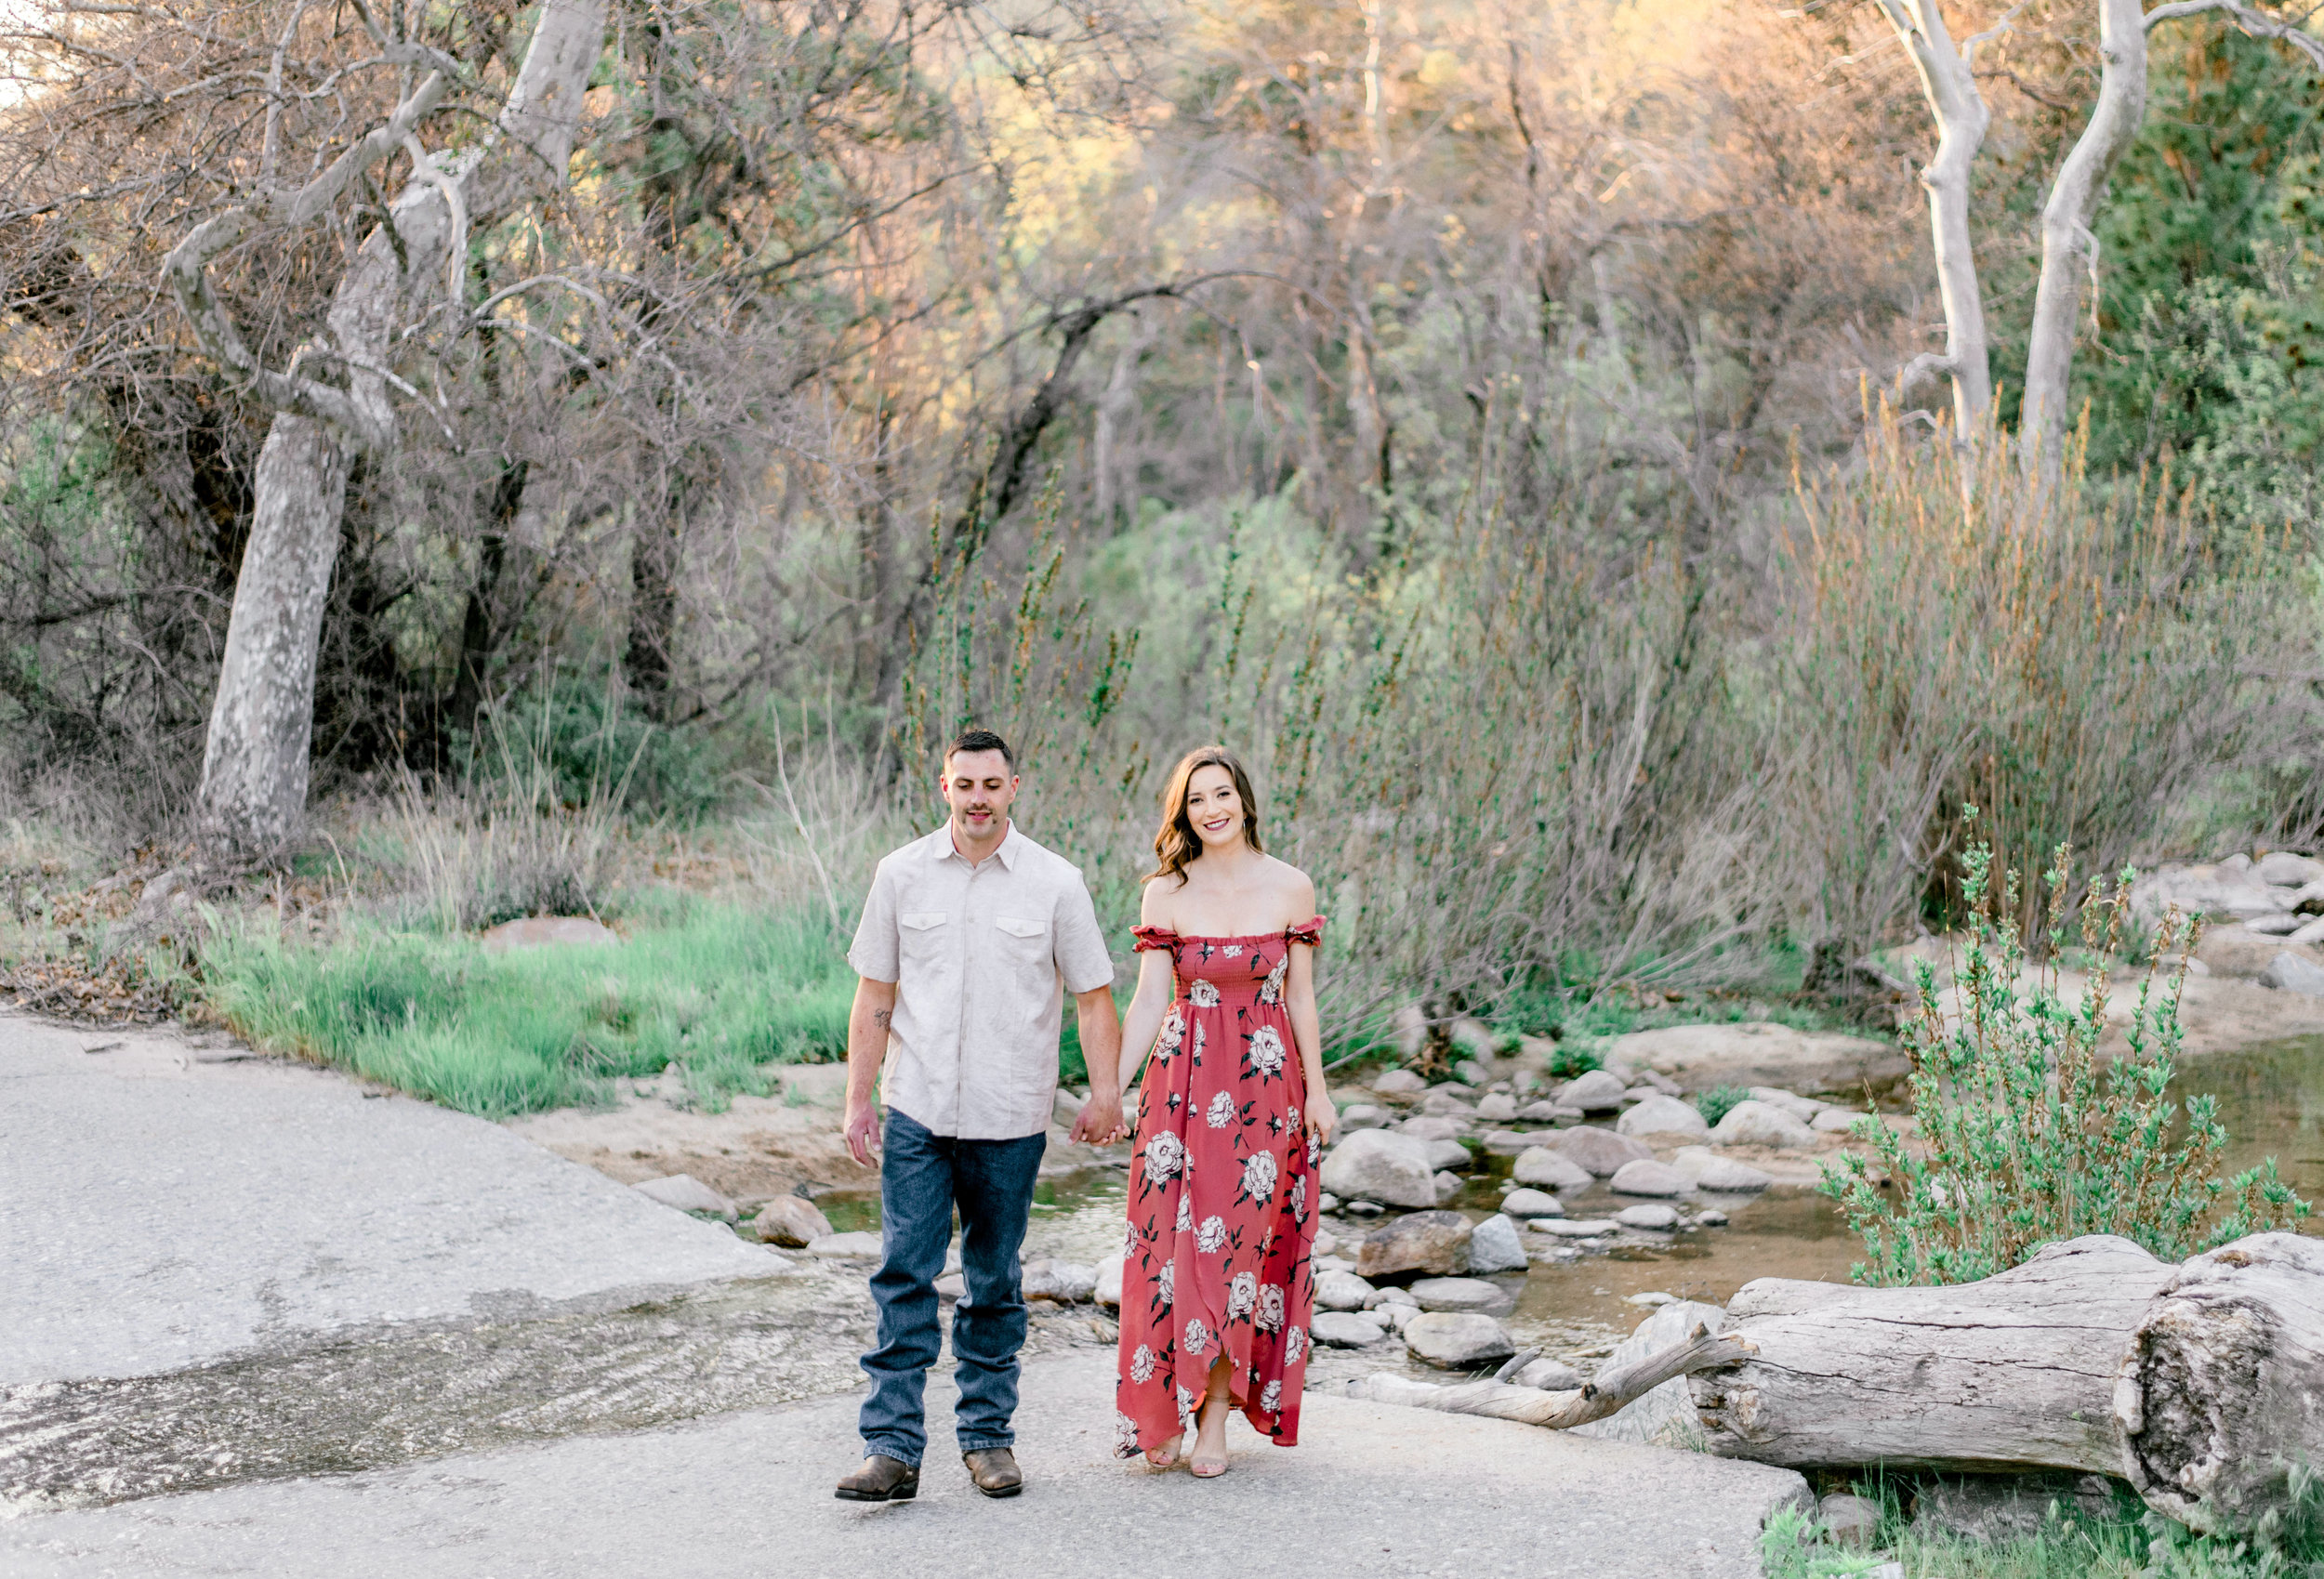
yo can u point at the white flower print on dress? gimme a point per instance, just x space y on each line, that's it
1197 1336
1270 1316
1241 1296
1186 1408
1142 1364
1294 1344
1266 1050
1129 1240
1259 1176
1211 1235
1232 951
1222 1112
1166 1157
1271 989
1166 1285
1173 1032
1125 1435
1185 1213
1299 1199
1271 1396
1198 1041
1201 994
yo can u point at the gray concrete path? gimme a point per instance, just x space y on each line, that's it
158 1211
1372 1490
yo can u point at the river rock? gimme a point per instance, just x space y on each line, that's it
857 1247
1342 1291
1805 1109
2004 1507
1552 1169
1549 1376
1667 1414
1848 1521
790 1221
1577 1228
1532 1204
1600 1091
2282 926
1834 1121
1761 1053
1448 1155
1660 1218
2311 933
1383 1298
2224 890
1346 1329
953 1287
2281 869
1601 1151
1713 1218
1456 1338
1648 1178
1426 1242
1545 1112
1375 1164
1068 1282
1659 1115
1433 1127
1494 1247
547 931
1758 1124
1718 1175
1398 1082
1362 1115
1449 1186
1505 1143
1499 1107
2292 974
1459 1293
687 1193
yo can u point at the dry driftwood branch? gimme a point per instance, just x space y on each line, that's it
2222 1389
1561 1410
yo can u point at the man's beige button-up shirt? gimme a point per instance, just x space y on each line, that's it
979 955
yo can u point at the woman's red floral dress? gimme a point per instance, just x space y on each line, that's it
1222 1197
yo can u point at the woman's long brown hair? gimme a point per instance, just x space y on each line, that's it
1176 844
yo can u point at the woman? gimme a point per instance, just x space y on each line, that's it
1216 1291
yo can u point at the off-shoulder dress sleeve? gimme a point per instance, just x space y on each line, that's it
1310 932
1161 938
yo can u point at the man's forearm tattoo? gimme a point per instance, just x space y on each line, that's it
881 1018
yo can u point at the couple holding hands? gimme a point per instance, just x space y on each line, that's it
969 938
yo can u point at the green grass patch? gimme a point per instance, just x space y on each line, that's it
720 992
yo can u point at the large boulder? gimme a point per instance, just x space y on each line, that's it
1648 1177
1667 1414
1532 1204
1805 1109
1448 1155
2281 869
1660 1114
1498 1107
1434 1127
1761 1123
1068 1282
1377 1164
1493 1247
788 1220
1107 1290
1707 1171
1600 1091
1601 1151
2232 889
1759 1053
1550 1170
1399 1082
1426 1242
1454 1339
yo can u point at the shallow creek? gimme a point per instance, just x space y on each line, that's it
2271 1100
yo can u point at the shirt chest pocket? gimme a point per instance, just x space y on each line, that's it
1021 939
923 933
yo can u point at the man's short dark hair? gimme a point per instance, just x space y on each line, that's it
980 740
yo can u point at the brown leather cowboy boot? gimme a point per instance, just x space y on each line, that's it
882 1479
995 1471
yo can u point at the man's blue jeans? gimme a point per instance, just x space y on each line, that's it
922 1177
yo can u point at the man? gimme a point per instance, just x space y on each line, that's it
967 936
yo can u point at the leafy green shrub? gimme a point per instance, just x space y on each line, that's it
2030 1137
1719 1101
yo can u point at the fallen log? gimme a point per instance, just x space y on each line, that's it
2203 1385
2221 1392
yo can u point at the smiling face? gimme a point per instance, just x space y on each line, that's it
1213 807
978 786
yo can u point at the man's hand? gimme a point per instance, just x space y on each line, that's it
1100 1120
863 1131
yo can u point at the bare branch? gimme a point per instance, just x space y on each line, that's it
2257 23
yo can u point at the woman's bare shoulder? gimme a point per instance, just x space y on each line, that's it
1297 888
1156 904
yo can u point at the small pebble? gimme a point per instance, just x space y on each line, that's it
1713 1218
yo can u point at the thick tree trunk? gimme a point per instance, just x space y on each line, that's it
2222 1391
2202 1384
2068 248
254 774
2016 1370
1961 118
